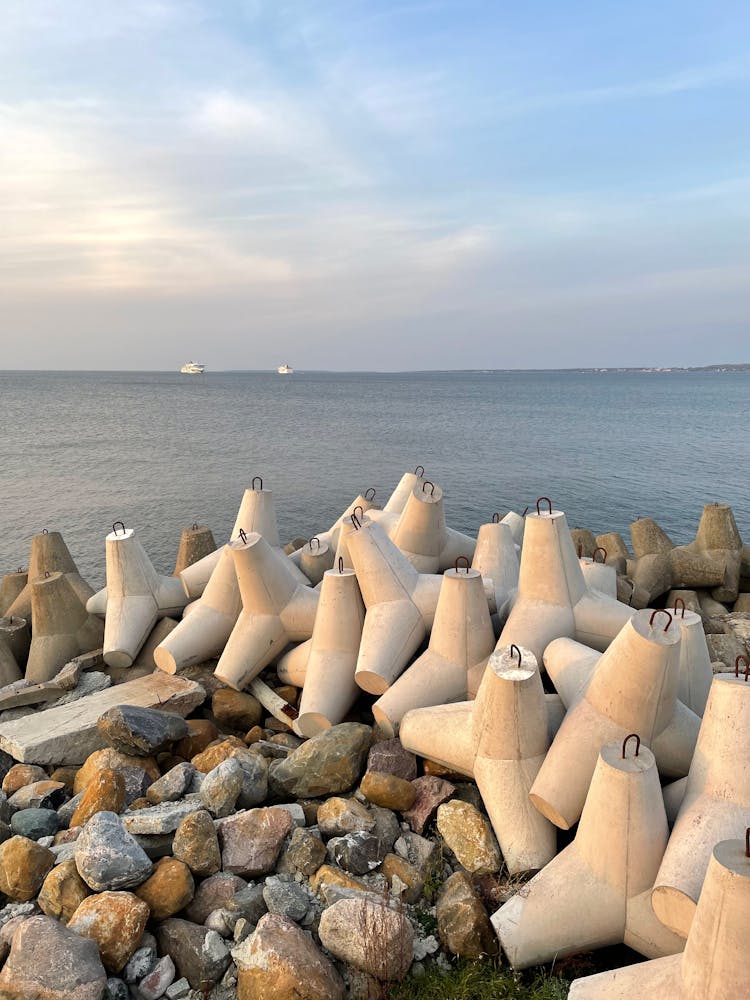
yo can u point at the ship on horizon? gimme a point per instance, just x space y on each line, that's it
285 369
192 368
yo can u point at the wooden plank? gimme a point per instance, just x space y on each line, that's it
68 734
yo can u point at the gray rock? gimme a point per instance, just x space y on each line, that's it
200 955
329 763
248 904
358 853
140 731
172 785
35 823
46 959
66 810
140 964
390 757
5 810
221 787
295 810
5 833
286 898
137 783
255 779
164 818
38 795
155 984
305 852
108 857
219 921
212 894
178 990
157 845
64 852
116 990
387 828
90 682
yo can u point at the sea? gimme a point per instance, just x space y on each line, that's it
161 450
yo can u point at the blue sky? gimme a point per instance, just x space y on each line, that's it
374 185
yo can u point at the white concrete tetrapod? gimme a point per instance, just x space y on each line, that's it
500 740
62 628
400 607
16 636
9 668
696 672
713 558
406 486
204 631
422 535
632 688
716 804
196 542
452 666
325 664
11 585
359 506
496 559
596 892
651 569
256 514
315 558
136 597
553 599
49 554
517 524
276 610
714 964
598 574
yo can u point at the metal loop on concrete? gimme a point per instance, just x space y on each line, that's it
45 531
679 605
459 559
419 471
114 527
496 518
660 611
525 511
195 526
737 666
355 521
358 512
518 653
316 540
600 548
549 503
747 842
46 574
637 739
243 536
252 484
427 483
370 493
341 564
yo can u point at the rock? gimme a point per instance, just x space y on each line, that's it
114 760
38 795
199 954
108 857
431 793
368 935
248 904
66 810
63 892
337 816
23 868
140 731
418 851
221 787
49 962
116 989
328 875
236 710
168 890
137 783
178 990
171 786
469 835
35 823
157 846
251 841
105 793
390 757
404 879
20 775
358 853
286 898
164 818
388 790
255 778
66 775
141 962
212 895
208 759
5 810
463 925
280 962
201 733
387 828
305 852
155 984
197 844
115 921
329 763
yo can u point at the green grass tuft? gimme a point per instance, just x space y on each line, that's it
481 980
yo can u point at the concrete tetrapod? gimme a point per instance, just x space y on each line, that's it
598 575
15 634
204 632
632 688
358 507
714 964
9 668
713 558
716 804
195 543
136 597
11 585
49 554
497 560
596 892
406 486
651 569
315 558
276 610
400 607
553 599
257 513
500 740
452 667
325 664
62 628
696 672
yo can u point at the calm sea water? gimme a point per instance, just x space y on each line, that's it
159 451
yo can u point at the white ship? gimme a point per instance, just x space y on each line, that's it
192 368
285 369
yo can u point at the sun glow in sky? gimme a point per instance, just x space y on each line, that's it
374 184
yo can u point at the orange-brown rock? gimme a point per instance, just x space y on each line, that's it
115 921
254 735
329 875
105 793
216 753
201 733
197 844
168 890
411 879
112 759
21 775
66 775
24 865
236 710
388 790
63 892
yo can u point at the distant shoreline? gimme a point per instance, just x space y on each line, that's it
630 370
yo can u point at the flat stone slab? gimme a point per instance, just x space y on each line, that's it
67 734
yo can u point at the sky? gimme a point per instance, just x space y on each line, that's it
374 184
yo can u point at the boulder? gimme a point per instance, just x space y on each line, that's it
338 816
236 710
469 835
35 823
49 962
105 793
168 890
391 757
463 925
63 892
24 865
221 787
251 841
115 921
367 934
329 763
431 793
199 954
140 731
108 857
164 818
197 844
114 760
213 894
22 774
305 852
172 785
388 790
